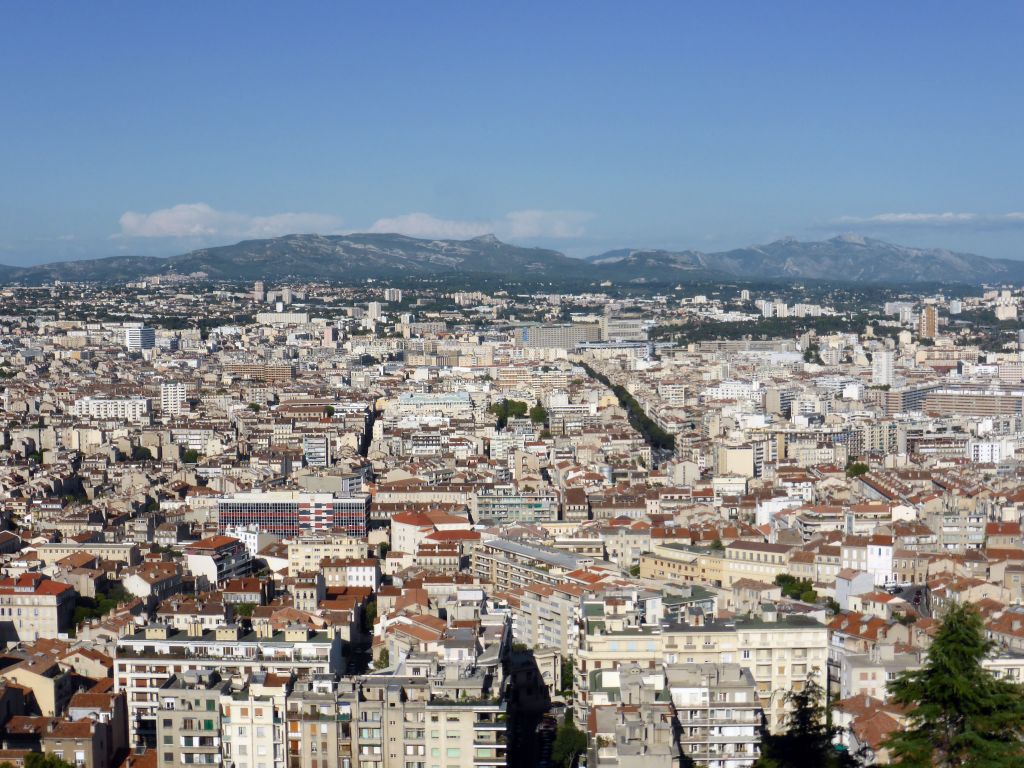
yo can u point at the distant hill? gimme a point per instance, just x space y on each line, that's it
360 256
845 258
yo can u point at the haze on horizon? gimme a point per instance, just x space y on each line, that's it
154 130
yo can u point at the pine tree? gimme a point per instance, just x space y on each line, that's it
807 740
962 716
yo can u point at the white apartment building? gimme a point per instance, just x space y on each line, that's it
882 368
173 396
137 337
132 409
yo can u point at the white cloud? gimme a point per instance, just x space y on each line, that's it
946 219
525 225
535 223
425 225
199 220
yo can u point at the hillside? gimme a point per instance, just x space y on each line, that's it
360 256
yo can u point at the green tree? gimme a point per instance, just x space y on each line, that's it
45 760
383 660
141 453
370 616
807 740
508 409
717 545
857 468
567 673
962 716
570 741
795 588
254 407
329 411
244 610
191 456
539 414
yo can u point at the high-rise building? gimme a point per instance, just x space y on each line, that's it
316 450
137 337
928 324
393 294
173 398
258 292
882 368
374 310
288 513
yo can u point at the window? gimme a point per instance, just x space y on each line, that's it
454 752
168 757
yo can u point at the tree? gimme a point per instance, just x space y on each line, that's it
717 545
807 740
539 414
796 589
962 716
383 660
567 673
45 760
570 741
857 468
329 411
141 453
508 409
254 407
370 617
191 456
244 610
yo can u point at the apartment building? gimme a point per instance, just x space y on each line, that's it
291 513
406 719
218 558
173 398
306 552
33 606
188 718
130 409
781 652
351 572
719 713
510 504
547 616
510 564
148 658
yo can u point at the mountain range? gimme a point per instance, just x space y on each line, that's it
847 258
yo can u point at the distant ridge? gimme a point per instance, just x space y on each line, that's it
847 258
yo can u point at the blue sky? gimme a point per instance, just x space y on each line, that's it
158 127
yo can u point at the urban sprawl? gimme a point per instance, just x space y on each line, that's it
321 526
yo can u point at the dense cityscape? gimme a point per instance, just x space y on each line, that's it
327 526
511 385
